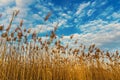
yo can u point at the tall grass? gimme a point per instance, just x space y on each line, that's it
38 60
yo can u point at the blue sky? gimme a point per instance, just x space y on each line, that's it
91 21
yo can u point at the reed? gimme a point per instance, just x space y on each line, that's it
38 60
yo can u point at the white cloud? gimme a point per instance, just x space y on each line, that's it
103 40
93 26
82 7
58 9
7 13
42 28
93 3
107 12
36 17
116 15
104 2
98 3
62 22
42 7
101 33
65 15
25 12
50 4
24 3
90 12
4 3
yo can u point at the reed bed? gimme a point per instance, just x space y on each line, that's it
48 59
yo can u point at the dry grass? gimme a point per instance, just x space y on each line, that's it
22 60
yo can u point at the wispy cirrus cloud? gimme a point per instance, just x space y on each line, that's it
82 7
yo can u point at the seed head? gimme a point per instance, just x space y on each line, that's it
107 54
0 15
47 16
117 53
16 12
1 27
12 34
71 36
16 29
29 30
34 35
76 41
8 39
15 38
21 23
20 35
4 35
56 26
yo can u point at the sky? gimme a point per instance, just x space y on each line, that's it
90 21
